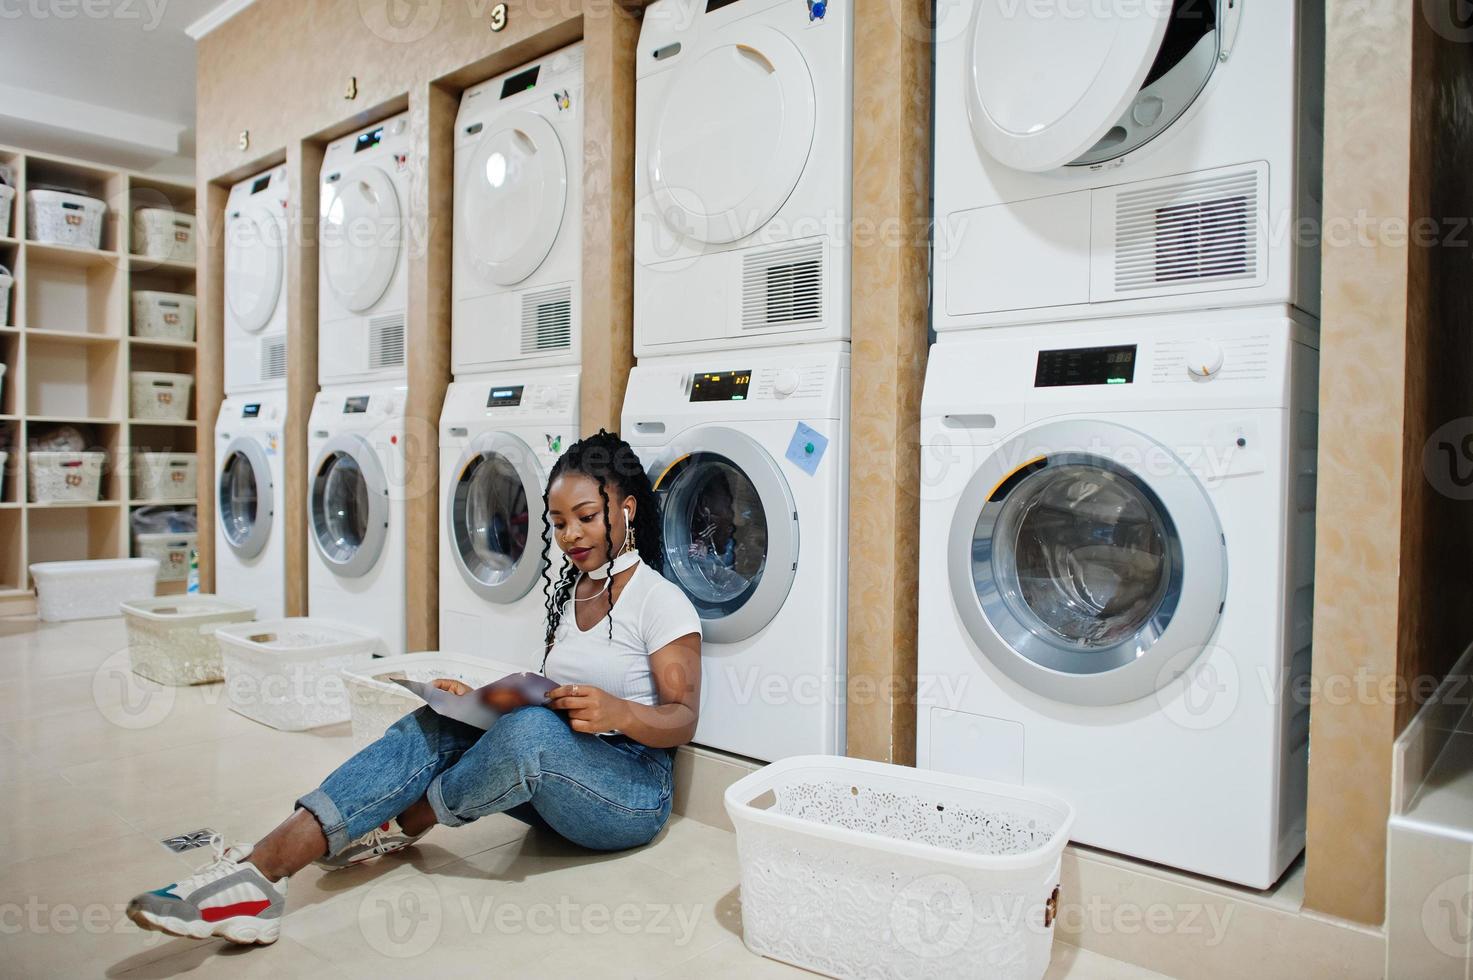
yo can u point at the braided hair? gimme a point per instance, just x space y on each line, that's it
610 461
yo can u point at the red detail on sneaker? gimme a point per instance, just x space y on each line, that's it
384 825
230 911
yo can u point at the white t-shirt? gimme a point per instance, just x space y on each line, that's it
650 613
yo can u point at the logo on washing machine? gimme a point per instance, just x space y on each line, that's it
554 442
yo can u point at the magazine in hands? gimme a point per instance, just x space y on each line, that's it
481 707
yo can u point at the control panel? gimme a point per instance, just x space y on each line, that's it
504 401
1204 359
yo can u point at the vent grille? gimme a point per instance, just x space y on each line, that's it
547 320
273 358
1202 231
386 342
783 287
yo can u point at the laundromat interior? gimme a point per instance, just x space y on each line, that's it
725 488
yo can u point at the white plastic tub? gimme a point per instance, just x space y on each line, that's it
159 395
377 703
163 316
60 218
171 551
7 199
287 673
6 281
856 868
163 233
164 476
65 477
171 639
68 590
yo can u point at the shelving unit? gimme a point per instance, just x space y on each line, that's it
67 343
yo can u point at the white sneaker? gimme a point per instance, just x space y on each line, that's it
229 897
386 838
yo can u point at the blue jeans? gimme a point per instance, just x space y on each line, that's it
603 792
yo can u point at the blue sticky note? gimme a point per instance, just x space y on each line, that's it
807 448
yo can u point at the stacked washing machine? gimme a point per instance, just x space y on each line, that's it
515 350
249 548
1119 420
739 403
357 480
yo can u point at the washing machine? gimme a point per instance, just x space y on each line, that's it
1116 557
363 290
519 218
743 123
255 282
499 438
1126 158
356 487
250 554
748 452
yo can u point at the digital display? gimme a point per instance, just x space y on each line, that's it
722 386
356 405
1085 366
261 184
504 397
251 411
522 81
714 5
368 141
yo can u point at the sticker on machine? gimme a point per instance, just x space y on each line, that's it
806 449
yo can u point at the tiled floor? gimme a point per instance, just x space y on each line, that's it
96 767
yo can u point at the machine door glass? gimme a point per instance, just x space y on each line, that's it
1083 87
350 506
512 194
732 139
362 233
495 507
730 532
1084 577
246 497
254 244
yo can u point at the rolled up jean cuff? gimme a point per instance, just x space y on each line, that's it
443 814
334 827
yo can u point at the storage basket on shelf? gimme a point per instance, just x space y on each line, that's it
7 199
171 639
62 218
68 590
163 233
171 551
163 316
286 673
164 476
6 281
65 477
376 703
858 868
159 395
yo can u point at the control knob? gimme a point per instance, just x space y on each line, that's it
1204 359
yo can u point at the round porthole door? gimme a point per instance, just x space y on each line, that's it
513 193
493 501
246 496
1085 561
362 234
349 506
729 529
254 243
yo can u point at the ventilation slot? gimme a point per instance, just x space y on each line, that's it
1204 231
783 288
547 320
386 342
273 358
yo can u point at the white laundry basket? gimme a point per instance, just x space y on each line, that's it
65 477
171 551
164 476
163 233
7 199
160 395
6 281
163 316
62 218
171 639
68 590
286 673
377 703
855 868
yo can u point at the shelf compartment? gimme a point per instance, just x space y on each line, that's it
14 489
74 533
64 293
142 264
13 574
106 185
10 399
65 379
153 437
105 437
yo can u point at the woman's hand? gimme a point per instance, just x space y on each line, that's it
590 709
453 686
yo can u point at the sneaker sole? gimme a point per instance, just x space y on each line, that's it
355 862
241 930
